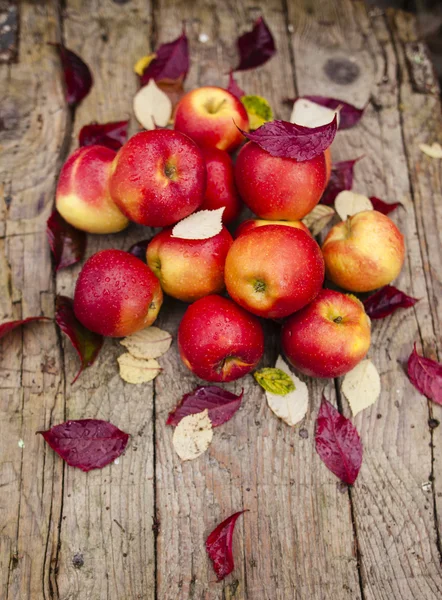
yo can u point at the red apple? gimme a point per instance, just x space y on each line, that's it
218 340
365 252
116 294
82 196
158 178
221 189
328 337
273 271
328 165
279 188
253 223
189 269
209 116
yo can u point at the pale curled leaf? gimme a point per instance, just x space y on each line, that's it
318 218
152 107
136 370
433 151
193 435
292 407
362 386
151 342
274 380
348 203
200 225
310 114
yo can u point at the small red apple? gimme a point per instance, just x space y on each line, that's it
221 189
116 294
274 271
279 188
253 223
82 196
189 269
158 178
329 337
210 116
218 340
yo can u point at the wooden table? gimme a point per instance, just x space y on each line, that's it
136 530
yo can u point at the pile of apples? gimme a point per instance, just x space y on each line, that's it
273 269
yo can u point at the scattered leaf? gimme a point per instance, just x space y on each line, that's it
341 178
139 249
274 380
362 386
338 443
219 546
151 342
434 151
173 88
5 328
349 114
386 301
348 203
291 407
309 114
77 76
137 370
112 135
220 403
67 244
171 61
142 63
255 47
86 444
86 343
258 110
200 225
318 218
234 88
152 107
288 140
383 207
426 376
193 435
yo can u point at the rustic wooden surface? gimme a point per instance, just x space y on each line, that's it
136 530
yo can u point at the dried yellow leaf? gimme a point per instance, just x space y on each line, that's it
193 435
136 370
318 218
434 151
349 203
142 63
151 342
362 386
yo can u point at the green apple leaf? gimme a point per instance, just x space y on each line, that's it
274 380
258 110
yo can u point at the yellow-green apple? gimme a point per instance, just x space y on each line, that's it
364 253
277 188
221 189
210 116
82 196
274 271
158 178
253 223
218 340
189 269
116 294
328 337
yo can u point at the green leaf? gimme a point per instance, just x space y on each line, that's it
258 110
274 381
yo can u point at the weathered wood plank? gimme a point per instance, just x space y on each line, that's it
107 546
33 124
395 520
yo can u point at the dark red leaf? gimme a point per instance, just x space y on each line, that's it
219 546
86 444
112 135
386 301
234 88
171 61
5 328
86 343
338 443
289 140
67 244
341 179
383 207
349 115
426 376
77 76
255 47
221 404
139 249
